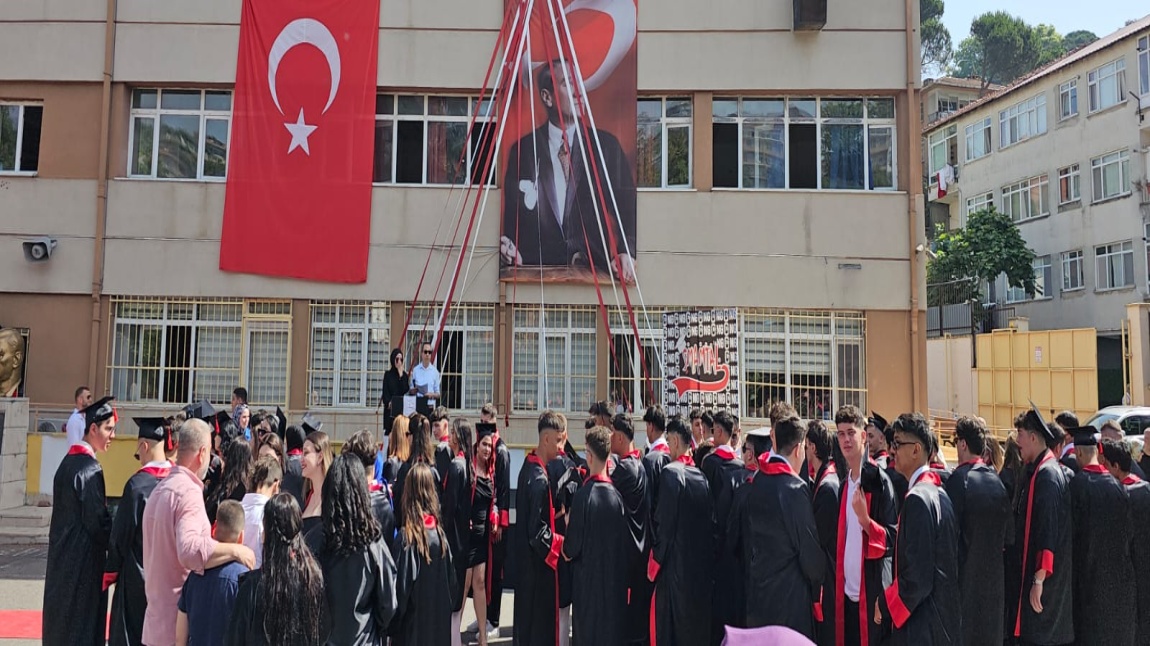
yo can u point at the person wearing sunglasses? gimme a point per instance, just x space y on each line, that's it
396 383
425 377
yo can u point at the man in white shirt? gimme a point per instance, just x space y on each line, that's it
425 377
75 427
266 479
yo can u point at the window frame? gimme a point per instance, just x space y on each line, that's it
1070 260
949 138
1103 254
371 326
157 113
1034 112
484 112
1069 91
19 150
541 332
650 325
1095 78
1072 175
972 131
666 125
1098 174
983 201
1144 65
1024 187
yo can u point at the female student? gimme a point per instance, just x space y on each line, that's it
315 462
424 573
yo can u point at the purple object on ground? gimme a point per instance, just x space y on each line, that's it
766 636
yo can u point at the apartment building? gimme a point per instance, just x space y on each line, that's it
948 94
790 188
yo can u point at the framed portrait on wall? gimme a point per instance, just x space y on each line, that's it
13 361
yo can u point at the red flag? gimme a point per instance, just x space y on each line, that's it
298 200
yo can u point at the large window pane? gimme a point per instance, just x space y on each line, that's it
842 156
9 128
142 138
445 142
649 155
179 146
215 148
764 155
679 156
381 172
881 142
180 100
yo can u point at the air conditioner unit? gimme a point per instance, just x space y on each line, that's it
810 15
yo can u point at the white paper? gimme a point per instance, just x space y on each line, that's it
408 405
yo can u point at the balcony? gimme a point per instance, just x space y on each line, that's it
950 195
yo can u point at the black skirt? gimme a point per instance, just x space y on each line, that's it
480 528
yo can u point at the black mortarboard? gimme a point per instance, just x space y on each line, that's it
760 432
1084 435
99 411
281 421
201 410
311 424
1034 422
221 419
155 428
878 421
483 429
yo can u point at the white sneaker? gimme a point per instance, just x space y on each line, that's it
473 627
492 631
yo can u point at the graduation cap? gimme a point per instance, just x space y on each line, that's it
281 422
311 424
99 411
878 421
1084 435
483 429
156 429
201 410
1034 422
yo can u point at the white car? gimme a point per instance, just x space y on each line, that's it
1134 420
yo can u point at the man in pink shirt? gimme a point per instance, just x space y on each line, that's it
178 536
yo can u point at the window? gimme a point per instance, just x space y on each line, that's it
1068 99
815 360
1022 121
180 134
1144 65
664 143
421 140
1072 265
20 137
943 147
1042 277
553 362
1108 85
349 354
1111 174
635 371
1026 199
947 104
179 351
1114 265
978 203
803 143
466 353
1069 185
978 140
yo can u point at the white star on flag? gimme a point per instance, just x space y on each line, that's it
300 131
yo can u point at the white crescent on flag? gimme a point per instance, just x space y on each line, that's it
298 32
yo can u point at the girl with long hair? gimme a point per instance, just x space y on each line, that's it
282 603
235 479
482 520
356 562
396 383
315 461
271 446
456 513
398 448
425 575
422 450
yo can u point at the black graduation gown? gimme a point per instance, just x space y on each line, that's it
825 506
126 558
725 473
443 458
360 590
982 511
397 490
653 463
75 606
565 482
246 627
383 511
772 530
630 480
898 481
597 543
498 557
456 515
1103 610
1139 492
924 599
537 593
682 557
293 479
423 592
1043 532
391 468
1070 461
877 552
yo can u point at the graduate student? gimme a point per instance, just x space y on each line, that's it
425 577
1116 458
75 601
630 480
502 520
825 505
725 473
658 452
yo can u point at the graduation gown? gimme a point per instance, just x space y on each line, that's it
75 605
772 530
653 462
630 480
537 592
825 506
360 588
565 480
1070 461
1139 492
293 477
682 560
497 557
1103 610
246 627
443 458
423 591
725 473
924 599
1043 532
982 511
456 515
383 511
126 558
597 542
878 547
397 489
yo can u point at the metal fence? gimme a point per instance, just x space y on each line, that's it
958 308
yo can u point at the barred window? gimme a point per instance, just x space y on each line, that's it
635 370
350 347
814 360
561 375
466 353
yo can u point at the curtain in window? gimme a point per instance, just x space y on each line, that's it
842 156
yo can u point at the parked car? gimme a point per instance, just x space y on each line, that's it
1135 420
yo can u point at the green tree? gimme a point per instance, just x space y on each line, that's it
1049 45
964 63
1005 48
1076 39
987 247
937 47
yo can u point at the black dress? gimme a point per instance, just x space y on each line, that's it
480 534
394 385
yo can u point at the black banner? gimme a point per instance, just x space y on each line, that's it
701 361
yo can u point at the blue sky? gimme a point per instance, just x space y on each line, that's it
1099 16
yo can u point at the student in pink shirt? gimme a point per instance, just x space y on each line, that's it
178 536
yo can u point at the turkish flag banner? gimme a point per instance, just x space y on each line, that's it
298 200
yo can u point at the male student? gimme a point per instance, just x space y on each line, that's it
682 558
1068 454
1112 430
441 430
293 467
879 436
75 602
630 479
658 453
924 598
1100 509
126 550
772 530
207 599
266 479
725 472
982 511
825 505
596 544
1116 458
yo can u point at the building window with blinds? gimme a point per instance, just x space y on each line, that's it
553 359
465 355
350 347
635 369
814 360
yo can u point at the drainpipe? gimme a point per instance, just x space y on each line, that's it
914 188
102 190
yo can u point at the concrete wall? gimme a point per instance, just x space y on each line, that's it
952 385
58 344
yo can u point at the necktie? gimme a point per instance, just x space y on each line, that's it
565 159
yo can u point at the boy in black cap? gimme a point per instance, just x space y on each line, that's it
126 551
877 440
1100 508
75 600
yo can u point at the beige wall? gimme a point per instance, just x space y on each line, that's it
889 379
57 357
951 381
